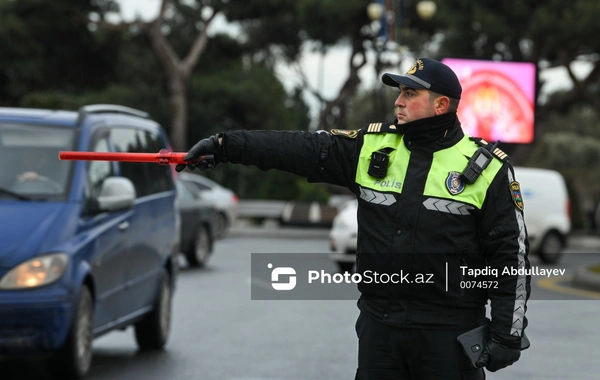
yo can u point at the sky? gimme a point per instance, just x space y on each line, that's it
328 73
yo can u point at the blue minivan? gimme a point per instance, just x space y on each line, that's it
85 247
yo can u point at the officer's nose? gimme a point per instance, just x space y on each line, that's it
399 101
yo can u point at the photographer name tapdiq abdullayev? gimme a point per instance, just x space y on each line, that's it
489 271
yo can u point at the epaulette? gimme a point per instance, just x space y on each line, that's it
381 128
497 152
350 133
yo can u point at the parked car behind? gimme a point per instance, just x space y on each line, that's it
198 221
547 211
85 247
342 237
223 199
547 218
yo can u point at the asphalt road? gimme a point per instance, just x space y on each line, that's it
219 333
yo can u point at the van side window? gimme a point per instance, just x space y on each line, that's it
162 179
133 141
98 171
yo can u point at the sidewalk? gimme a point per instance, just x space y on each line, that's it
584 242
583 276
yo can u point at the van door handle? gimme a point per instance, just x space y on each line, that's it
123 226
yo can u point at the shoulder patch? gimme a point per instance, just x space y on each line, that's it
350 133
515 191
381 128
498 153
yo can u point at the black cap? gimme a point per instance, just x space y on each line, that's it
429 74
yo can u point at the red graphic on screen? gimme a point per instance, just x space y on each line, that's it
494 107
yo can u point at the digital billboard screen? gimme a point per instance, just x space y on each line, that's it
497 101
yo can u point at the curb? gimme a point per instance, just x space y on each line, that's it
278 233
584 242
585 278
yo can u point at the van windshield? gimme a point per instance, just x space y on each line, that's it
30 165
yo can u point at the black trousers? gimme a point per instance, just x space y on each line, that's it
390 353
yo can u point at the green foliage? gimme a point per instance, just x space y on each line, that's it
577 23
571 145
229 94
134 97
518 30
372 106
268 23
46 46
329 21
235 97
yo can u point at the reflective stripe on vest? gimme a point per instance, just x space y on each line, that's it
452 159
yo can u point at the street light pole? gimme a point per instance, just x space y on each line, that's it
426 9
386 16
378 13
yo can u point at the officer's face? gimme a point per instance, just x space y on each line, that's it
413 104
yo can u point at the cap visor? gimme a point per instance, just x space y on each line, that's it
396 80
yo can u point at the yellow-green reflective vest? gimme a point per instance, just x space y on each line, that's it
445 161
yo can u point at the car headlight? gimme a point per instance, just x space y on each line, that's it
36 272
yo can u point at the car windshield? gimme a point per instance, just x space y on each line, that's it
30 165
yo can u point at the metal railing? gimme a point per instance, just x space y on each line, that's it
288 212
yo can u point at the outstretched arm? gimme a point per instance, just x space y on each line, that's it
319 157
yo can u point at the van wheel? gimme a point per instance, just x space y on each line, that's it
198 255
551 248
74 359
152 332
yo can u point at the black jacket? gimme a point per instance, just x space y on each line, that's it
414 235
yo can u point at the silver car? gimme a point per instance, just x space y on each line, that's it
224 200
342 237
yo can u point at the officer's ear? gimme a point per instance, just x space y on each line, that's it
441 104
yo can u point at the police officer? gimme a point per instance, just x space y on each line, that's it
435 207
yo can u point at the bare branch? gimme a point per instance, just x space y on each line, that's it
564 101
123 26
349 86
120 27
593 75
566 59
198 47
164 51
163 8
313 91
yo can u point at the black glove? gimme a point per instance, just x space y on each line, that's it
496 356
209 145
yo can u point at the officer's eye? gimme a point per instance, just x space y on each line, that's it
408 93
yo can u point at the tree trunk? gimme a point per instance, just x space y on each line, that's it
178 108
348 89
177 73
